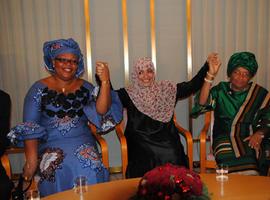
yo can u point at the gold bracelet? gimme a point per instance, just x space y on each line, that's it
211 75
208 81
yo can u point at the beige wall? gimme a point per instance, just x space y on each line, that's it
224 26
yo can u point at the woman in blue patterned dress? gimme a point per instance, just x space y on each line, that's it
57 140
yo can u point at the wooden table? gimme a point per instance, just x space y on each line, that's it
238 187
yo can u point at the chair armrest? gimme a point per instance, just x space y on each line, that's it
122 139
189 141
14 150
103 144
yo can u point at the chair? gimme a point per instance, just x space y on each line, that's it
103 145
7 165
206 161
5 159
189 141
120 133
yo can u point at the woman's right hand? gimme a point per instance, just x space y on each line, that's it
102 71
214 63
30 166
29 171
104 100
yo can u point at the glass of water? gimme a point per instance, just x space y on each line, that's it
80 184
222 171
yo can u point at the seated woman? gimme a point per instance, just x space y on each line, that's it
55 133
241 117
152 137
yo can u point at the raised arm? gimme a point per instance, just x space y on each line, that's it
104 98
185 89
214 64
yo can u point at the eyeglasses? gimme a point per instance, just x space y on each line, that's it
66 61
242 74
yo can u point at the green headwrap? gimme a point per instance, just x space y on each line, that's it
243 59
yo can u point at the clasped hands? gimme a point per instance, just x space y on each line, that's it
102 72
214 63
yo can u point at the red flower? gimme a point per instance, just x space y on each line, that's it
165 181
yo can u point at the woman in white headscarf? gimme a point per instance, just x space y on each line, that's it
152 137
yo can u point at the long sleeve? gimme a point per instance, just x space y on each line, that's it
210 105
185 89
122 94
31 127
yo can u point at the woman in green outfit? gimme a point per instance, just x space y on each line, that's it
241 130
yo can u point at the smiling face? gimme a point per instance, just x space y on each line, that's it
240 78
146 77
65 66
143 74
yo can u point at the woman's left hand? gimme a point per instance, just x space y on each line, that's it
254 140
102 71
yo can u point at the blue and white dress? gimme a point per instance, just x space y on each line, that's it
67 148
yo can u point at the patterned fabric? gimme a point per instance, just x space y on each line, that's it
239 114
89 156
64 124
52 49
156 101
50 160
67 148
242 59
26 130
107 121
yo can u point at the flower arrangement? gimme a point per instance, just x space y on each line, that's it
171 182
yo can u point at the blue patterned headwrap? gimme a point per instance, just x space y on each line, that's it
52 49
243 59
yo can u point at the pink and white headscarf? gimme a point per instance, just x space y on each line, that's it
157 100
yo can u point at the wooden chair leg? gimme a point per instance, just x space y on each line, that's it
6 164
123 143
